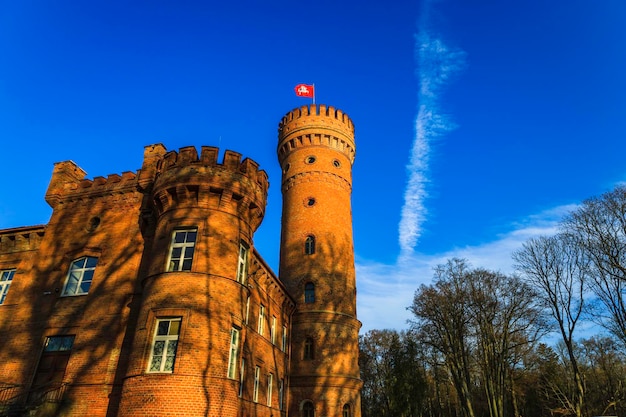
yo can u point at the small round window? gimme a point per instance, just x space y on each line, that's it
336 164
310 159
310 202
94 222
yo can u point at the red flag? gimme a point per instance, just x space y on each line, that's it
305 90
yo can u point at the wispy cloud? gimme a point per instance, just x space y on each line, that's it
385 291
437 64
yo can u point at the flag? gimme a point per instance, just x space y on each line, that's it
305 90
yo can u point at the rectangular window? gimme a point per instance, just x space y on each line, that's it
234 352
50 371
242 264
181 250
284 338
59 344
273 330
164 345
270 382
242 373
257 374
261 319
79 276
6 276
281 394
247 309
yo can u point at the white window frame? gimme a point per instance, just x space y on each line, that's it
168 338
183 245
284 339
270 387
281 394
273 330
233 352
78 274
260 326
247 310
242 373
242 263
6 277
257 375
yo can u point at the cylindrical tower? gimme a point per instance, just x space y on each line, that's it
199 218
316 151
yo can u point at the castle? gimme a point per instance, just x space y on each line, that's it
144 294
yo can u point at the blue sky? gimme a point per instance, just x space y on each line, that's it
522 104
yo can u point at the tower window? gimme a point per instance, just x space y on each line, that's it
310 159
309 353
309 245
270 388
181 250
242 373
286 168
347 412
261 326
94 222
79 276
255 392
308 410
234 352
310 201
242 264
309 293
281 394
164 345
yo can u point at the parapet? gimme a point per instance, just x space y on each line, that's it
316 112
182 178
21 239
68 183
316 125
157 161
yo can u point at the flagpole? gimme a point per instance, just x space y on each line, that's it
313 94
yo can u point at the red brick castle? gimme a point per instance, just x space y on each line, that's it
144 294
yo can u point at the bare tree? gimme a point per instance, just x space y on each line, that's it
507 322
558 268
481 322
599 227
443 321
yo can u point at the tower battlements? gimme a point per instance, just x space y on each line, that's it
183 178
316 125
68 184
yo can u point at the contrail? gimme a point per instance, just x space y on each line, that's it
437 64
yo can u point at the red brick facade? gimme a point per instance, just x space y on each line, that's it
144 295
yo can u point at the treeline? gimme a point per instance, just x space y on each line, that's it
474 347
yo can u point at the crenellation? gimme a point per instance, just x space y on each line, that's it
187 154
169 160
114 178
232 160
209 155
21 239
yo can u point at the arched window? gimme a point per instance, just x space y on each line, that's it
309 245
309 293
308 348
307 409
346 411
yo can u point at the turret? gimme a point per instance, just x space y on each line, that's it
194 283
316 150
